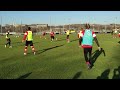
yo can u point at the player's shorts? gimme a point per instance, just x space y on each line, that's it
29 43
67 36
8 40
43 34
52 37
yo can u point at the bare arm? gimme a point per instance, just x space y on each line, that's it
97 43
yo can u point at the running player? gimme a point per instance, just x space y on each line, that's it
68 33
52 35
43 35
8 40
86 41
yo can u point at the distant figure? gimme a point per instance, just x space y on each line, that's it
86 41
8 40
43 35
115 33
52 35
28 36
104 75
68 33
79 33
119 34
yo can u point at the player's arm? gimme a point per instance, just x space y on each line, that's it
96 40
24 37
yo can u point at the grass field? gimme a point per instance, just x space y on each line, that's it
59 59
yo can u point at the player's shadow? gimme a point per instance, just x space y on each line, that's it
116 73
24 76
44 50
74 40
61 39
119 42
95 55
77 75
104 75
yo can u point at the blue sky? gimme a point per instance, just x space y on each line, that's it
60 17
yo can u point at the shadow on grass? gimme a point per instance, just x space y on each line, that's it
116 73
61 39
104 75
17 44
24 76
74 40
44 50
119 42
95 55
77 75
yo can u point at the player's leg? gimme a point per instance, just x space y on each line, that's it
86 57
67 38
51 38
10 44
85 54
25 49
32 47
90 55
6 43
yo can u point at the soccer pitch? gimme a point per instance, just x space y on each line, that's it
59 59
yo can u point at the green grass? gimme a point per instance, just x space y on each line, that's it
58 59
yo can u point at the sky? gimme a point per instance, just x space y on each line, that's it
59 17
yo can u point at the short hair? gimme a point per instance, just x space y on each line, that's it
29 28
87 25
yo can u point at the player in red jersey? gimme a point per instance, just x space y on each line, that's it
52 34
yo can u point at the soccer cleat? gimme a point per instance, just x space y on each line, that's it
89 66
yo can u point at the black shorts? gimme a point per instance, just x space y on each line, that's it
67 36
8 40
52 37
29 43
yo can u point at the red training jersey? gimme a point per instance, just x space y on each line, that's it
52 34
